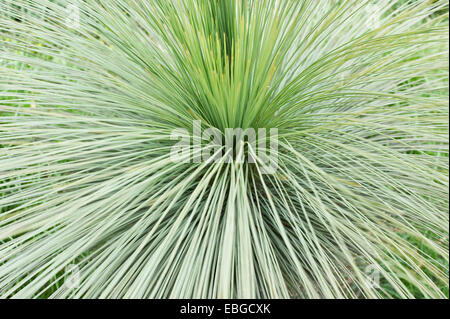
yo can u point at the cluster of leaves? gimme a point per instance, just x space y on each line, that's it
357 90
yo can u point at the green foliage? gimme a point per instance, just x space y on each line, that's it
358 91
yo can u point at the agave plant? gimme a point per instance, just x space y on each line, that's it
92 204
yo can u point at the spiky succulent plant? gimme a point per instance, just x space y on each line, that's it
93 205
